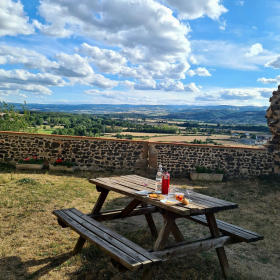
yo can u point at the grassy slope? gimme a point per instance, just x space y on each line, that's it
33 246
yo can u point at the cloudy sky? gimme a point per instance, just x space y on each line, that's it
196 52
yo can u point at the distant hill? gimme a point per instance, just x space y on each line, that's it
215 114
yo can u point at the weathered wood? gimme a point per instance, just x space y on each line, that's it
61 223
79 246
114 214
229 229
191 249
106 183
98 226
177 233
129 208
164 232
221 250
148 274
100 201
103 245
150 222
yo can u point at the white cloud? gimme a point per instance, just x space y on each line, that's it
141 27
254 50
108 61
192 60
13 20
106 94
200 71
269 81
197 8
223 25
220 53
235 94
240 3
274 63
254 27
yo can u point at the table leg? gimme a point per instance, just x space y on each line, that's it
100 201
212 224
150 221
177 233
97 207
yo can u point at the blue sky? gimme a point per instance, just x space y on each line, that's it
197 52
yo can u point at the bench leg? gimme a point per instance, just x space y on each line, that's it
148 274
221 250
100 201
150 222
79 246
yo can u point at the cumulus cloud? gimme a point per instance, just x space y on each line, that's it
254 50
200 71
274 63
192 60
223 25
108 61
197 8
144 29
235 94
269 81
13 20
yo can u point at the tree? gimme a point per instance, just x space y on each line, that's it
13 120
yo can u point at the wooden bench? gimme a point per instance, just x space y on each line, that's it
122 250
239 233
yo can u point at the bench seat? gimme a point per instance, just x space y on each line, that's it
116 246
229 229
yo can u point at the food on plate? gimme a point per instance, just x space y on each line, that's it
160 196
169 201
153 195
185 201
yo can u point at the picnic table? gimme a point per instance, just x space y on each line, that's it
128 255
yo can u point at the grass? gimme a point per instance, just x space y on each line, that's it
34 246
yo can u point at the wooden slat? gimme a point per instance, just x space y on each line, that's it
114 214
128 192
191 249
240 233
112 251
117 236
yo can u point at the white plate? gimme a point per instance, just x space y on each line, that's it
142 192
170 201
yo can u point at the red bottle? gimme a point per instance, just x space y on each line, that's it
165 182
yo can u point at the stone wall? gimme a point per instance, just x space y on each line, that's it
183 158
140 156
89 153
273 121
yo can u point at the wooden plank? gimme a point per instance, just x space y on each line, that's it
106 235
231 230
191 249
130 207
128 192
117 236
114 214
120 256
123 180
150 222
221 250
100 201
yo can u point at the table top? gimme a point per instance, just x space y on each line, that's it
128 185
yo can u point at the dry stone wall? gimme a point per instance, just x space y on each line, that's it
88 153
139 156
273 121
183 158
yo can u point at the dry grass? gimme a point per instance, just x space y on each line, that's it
33 246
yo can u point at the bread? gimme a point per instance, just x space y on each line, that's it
153 195
185 201
160 196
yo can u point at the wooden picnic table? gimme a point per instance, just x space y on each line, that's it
201 210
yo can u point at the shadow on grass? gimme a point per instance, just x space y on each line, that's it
19 269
